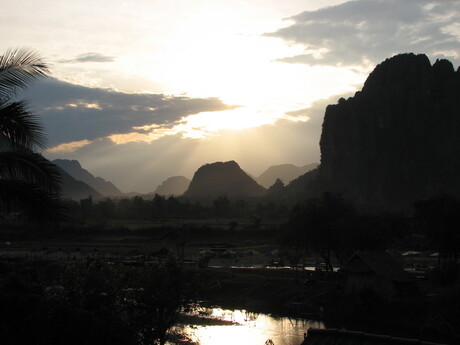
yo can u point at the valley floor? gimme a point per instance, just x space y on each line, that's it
245 270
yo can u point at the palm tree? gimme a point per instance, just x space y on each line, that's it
29 183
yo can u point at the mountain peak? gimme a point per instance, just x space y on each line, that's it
175 186
74 169
223 178
67 163
285 172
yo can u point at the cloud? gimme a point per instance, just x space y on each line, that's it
70 147
90 57
73 113
141 166
365 32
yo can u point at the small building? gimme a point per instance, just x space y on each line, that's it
378 271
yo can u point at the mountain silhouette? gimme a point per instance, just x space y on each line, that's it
397 140
74 168
76 190
175 186
304 186
285 172
223 178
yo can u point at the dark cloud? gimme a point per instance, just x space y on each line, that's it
90 57
372 30
73 113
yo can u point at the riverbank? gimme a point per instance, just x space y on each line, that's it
285 292
281 291
238 279
273 291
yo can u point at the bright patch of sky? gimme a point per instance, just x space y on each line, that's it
196 48
131 76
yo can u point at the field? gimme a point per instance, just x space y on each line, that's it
113 239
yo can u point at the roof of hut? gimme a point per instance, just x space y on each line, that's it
377 262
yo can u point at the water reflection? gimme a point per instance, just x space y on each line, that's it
251 329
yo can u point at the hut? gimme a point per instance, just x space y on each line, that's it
377 271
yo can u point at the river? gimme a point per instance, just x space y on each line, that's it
251 329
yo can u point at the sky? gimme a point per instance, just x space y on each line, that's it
144 90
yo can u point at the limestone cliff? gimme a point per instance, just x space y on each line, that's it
398 139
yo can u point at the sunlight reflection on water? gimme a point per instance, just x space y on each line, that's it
252 329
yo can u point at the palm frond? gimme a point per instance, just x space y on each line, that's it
19 127
29 183
32 202
19 67
30 167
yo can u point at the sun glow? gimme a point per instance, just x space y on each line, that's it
219 51
203 125
154 134
201 49
236 119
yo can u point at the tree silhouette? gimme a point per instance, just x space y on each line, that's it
320 225
437 217
29 183
153 305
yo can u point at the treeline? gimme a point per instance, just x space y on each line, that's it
160 207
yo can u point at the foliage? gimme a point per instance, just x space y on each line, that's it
152 306
29 183
438 219
96 303
39 312
319 224
331 227
160 207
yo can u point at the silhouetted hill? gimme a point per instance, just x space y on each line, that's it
176 185
223 178
398 139
285 172
75 189
74 168
304 186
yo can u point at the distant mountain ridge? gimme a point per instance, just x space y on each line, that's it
223 178
173 186
74 169
285 172
76 190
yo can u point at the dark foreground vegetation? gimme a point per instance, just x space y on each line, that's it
49 302
129 279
